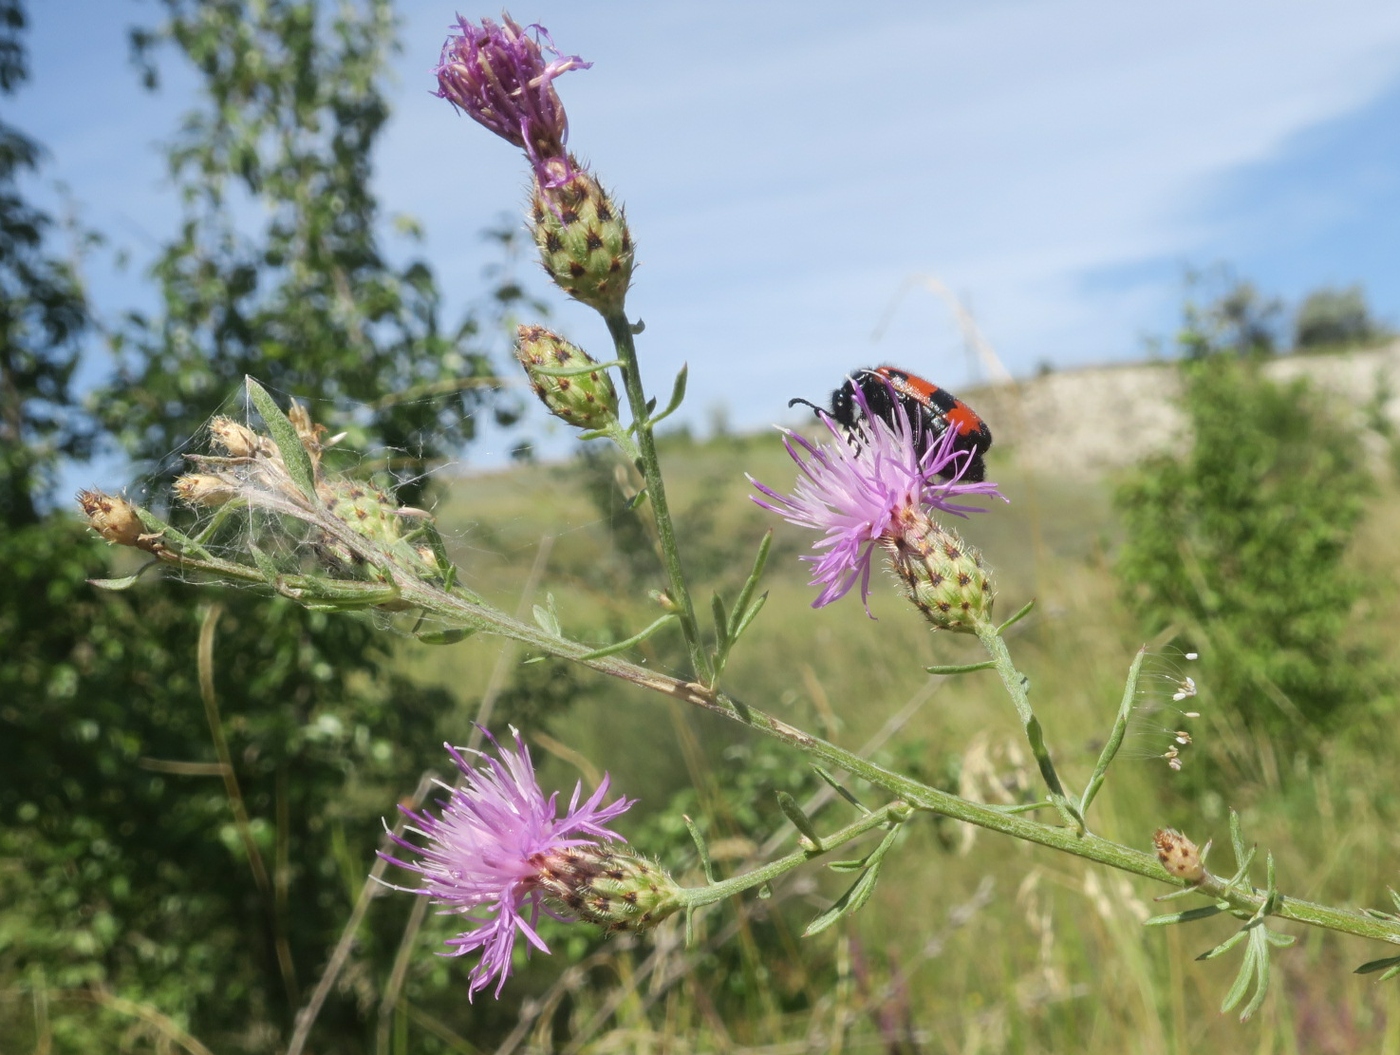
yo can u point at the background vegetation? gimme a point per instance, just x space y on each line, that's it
160 892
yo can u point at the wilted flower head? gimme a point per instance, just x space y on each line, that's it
861 488
487 853
498 75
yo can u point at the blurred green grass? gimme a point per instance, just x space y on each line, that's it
1056 958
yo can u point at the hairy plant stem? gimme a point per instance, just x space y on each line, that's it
457 610
1071 840
650 468
696 897
1016 685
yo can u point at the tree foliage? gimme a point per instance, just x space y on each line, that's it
136 889
1240 543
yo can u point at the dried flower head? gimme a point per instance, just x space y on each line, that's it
862 488
116 520
1179 855
498 75
487 854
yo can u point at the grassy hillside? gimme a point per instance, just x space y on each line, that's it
972 943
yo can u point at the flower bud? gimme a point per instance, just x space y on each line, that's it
587 399
115 519
608 885
940 574
204 489
583 240
237 441
1179 855
366 510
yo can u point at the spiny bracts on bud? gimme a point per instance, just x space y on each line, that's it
585 398
116 520
1179 855
583 240
940 573
607 884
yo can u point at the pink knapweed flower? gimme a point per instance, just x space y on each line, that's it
486 853
498 75
858 486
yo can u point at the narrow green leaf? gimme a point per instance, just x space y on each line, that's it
1115 736
950 669
1025 611
1260 946
545 618
269 571
1389 974
1248 968
446 637
677 395
126 581
1189 916
1225 946
741 604
799 818
284 434
115 585
859 892
721 618
636 499
749 615
836 787
846 866
1372 966
623 646
1237 838
574 371
701 848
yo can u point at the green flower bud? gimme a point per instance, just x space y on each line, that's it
584 242
940 574
609 885
586 398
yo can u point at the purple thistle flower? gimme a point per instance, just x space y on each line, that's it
860 486
486 853
498 76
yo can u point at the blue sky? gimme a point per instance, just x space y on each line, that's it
789 167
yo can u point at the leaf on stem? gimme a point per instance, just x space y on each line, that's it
859 892
800 820
1389 964
1025 611
126 581
677 396
836 786
961 668
702 849
284 434
623 646
1115 737
1189 916
546 618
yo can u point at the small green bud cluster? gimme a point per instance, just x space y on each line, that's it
609 885
940 573
584 242
558 373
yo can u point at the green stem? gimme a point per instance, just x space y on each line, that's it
457 610
695 897
650 467
1015 683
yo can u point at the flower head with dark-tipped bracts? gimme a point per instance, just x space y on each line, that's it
498 75
860 488
489 852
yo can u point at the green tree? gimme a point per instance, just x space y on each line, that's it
1331 317
1240 543
128 898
